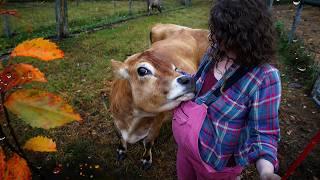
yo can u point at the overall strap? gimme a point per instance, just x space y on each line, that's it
238 74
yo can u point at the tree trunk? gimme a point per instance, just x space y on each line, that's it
6 25
62 18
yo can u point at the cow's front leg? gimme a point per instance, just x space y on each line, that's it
149 141
147 155
122 148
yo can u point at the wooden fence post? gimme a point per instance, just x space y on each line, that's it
316 91
114 6
62 18
296 21
269 4
130 7
6 25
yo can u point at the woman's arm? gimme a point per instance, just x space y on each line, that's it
264 125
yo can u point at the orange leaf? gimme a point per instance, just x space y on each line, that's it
9 12
41 144
38 48
40 108
19 74
2 163
17 168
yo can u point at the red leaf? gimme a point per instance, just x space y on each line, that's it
19 74
2 163
17 168
9 12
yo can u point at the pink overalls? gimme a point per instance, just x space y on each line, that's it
186 126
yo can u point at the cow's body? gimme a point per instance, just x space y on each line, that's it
140 104
154 4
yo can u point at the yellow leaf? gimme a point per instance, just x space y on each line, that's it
19 74
38 48
40 108
17 168
41 144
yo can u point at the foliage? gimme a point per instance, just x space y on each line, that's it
36 107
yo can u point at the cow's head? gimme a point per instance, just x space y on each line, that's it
156 84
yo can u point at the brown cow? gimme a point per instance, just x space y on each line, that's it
148 84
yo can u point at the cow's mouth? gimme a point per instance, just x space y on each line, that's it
184 96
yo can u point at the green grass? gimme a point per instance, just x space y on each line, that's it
37 19
83 74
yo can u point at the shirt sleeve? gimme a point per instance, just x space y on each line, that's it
264 131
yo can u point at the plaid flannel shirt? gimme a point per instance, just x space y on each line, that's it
243 121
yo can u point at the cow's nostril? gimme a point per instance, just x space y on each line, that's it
183 80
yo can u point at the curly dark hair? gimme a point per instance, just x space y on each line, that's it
245 27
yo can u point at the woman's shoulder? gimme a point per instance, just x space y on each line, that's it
266 74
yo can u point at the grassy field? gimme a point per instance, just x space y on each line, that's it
38 18
81 76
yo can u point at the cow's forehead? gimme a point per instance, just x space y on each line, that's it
161 65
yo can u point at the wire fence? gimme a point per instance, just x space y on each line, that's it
38 19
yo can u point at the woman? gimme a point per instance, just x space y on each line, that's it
233 120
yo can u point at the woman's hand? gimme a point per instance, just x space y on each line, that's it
269 176
266 170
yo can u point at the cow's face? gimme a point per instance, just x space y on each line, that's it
156 84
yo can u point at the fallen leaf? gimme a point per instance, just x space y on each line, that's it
40 108
41 144
38 48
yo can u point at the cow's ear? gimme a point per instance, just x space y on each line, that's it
120 69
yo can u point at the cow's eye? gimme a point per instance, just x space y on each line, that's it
142 71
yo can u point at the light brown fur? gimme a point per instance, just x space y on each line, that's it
138 104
